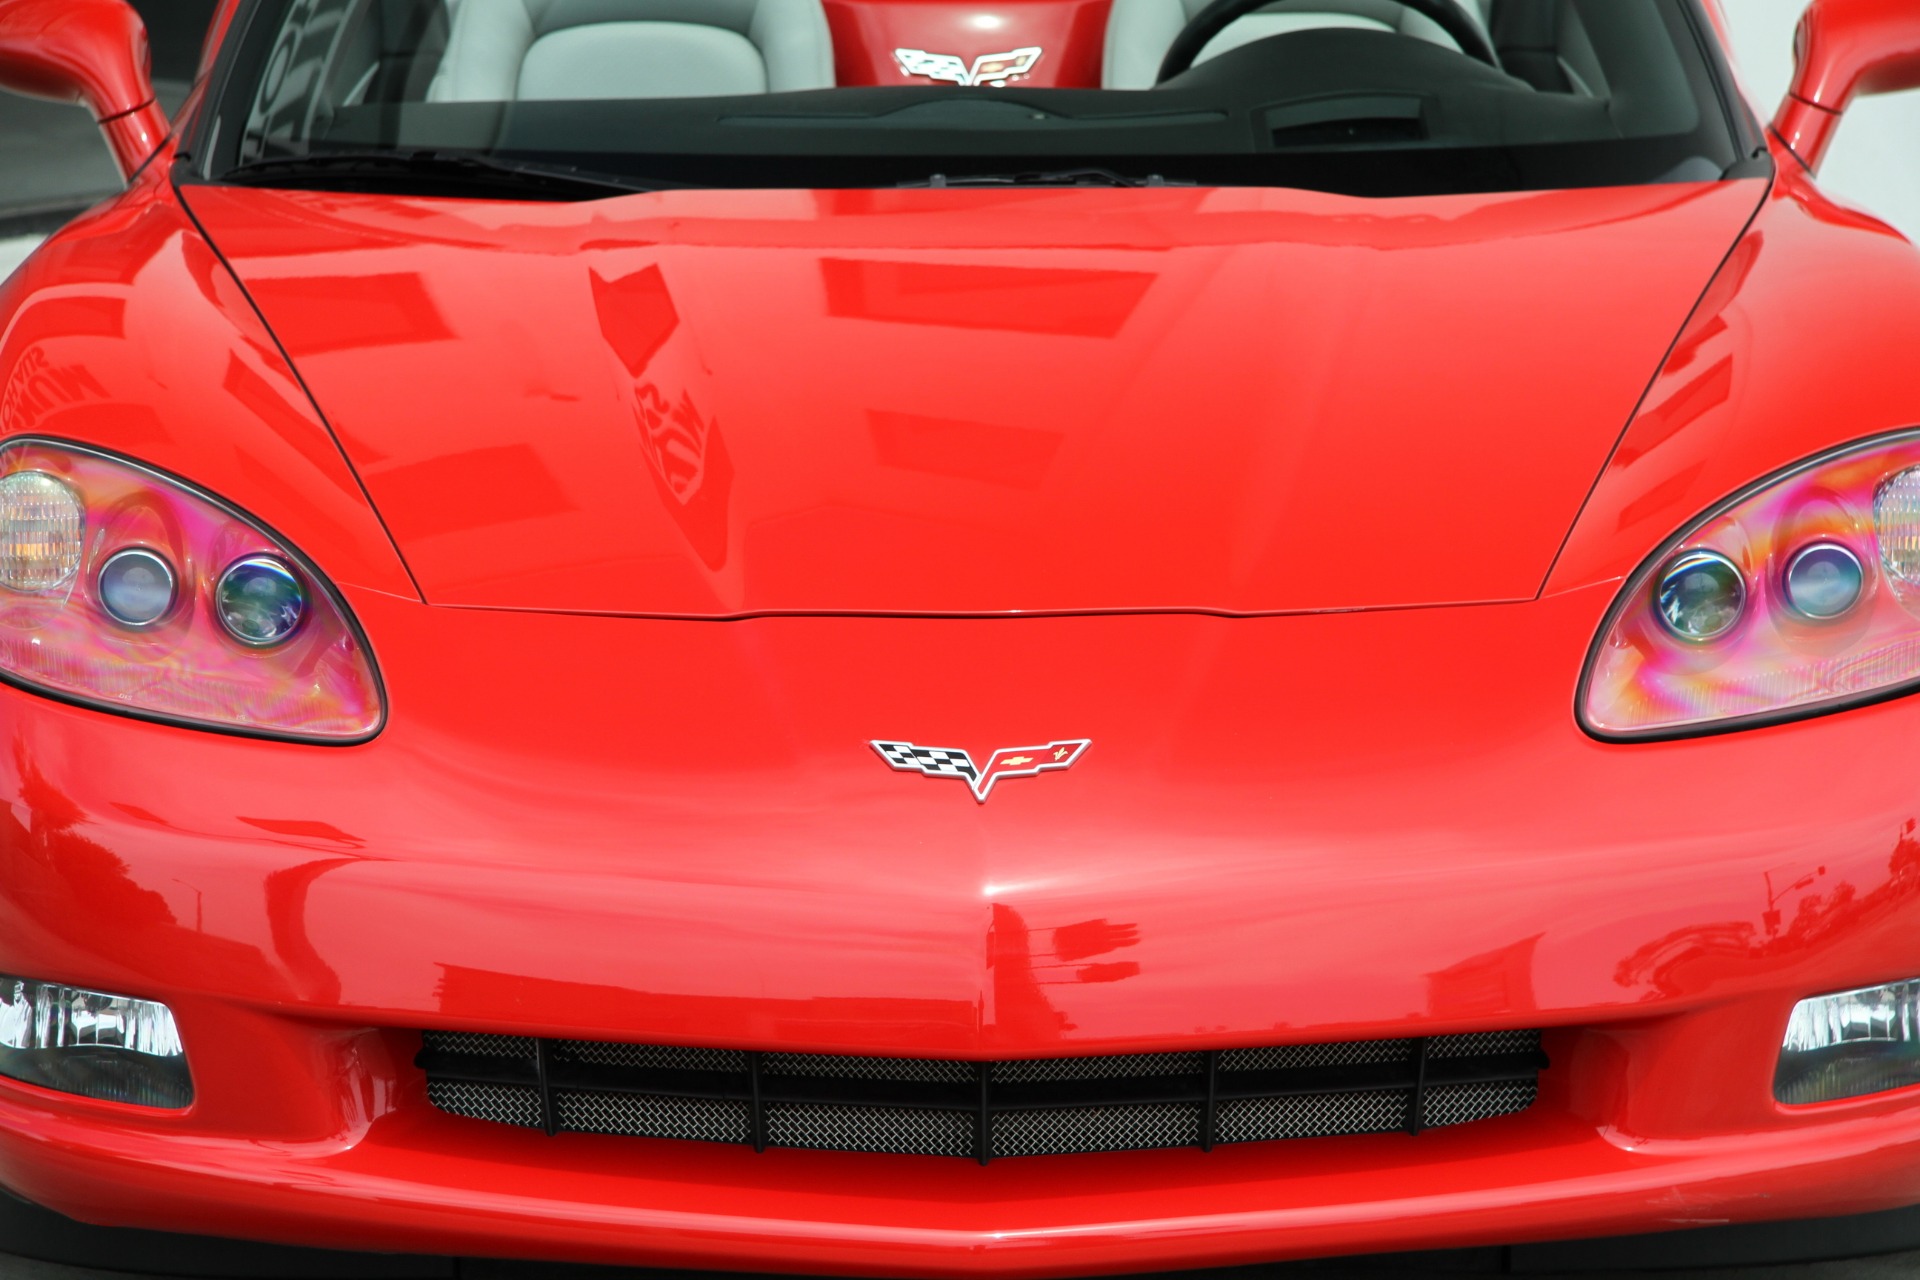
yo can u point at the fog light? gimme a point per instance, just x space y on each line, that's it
1845 1045
41 528
113 1048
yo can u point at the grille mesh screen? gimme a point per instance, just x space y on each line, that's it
642 1055
478 1046
639 1115
821 1066
1132 1066
1289 1057
1135 1127
1057 1106
502 1104
1316 1115
896 1131
1484 1045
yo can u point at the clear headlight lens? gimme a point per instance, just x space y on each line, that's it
132 593
1852 1043
113 1048
41 524
1798 597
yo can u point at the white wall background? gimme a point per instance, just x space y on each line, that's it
1874 162
12 253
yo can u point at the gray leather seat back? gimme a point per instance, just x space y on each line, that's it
527 50
1140 32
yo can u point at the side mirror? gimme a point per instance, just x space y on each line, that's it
91 52
1846 49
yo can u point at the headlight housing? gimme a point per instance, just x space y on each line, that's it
126 590
1797 597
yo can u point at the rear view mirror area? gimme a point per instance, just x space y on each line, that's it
90 52
1846 49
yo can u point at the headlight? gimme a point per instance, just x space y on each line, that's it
1799 596
127 591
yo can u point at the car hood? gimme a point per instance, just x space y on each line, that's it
712 404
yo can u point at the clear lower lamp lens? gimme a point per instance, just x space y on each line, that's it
1850 1044
113 1048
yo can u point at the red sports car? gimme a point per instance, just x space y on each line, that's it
890 637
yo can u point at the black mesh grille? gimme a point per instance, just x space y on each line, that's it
1124 1127
1487 1044
1131 1067
643 1055
502 1104
640 1115
1464 1103
1290 1056
485 1046
1315 1115
917 1070
899 1131
1050 1106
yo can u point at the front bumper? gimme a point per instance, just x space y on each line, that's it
1287 830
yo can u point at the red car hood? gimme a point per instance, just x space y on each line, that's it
723 403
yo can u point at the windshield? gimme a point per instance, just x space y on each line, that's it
1365 97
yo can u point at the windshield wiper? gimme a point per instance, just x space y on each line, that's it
1086 177
432 173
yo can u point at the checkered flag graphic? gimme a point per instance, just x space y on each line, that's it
935 762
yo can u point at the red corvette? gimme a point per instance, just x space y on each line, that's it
930 637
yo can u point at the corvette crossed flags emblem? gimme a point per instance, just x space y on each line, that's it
993 69
1008 762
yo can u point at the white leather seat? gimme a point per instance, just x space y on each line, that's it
534 50
1140 32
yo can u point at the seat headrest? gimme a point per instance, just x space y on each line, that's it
549 16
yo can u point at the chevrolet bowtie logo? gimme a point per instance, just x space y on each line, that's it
1008 762
993 70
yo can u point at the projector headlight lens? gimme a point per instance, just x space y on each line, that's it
1849 1044
113 1048
261 603
136 587
1701 595
1825 581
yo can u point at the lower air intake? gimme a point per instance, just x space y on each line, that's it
983 1111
